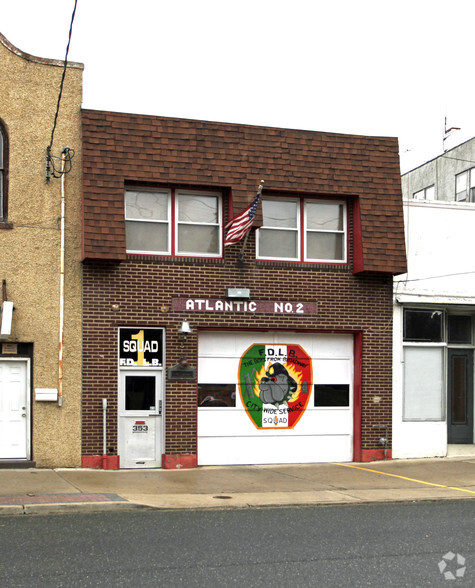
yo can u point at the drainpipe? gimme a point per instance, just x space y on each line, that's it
104 433
64 153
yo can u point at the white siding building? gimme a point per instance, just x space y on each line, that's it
434 310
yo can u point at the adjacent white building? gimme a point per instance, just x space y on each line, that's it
434 310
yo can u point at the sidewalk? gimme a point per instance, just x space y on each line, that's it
35 491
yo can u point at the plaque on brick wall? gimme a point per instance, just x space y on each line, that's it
180 372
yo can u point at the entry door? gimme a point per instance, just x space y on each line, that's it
460 396
140 418
14 420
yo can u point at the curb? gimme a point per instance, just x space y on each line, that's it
76 508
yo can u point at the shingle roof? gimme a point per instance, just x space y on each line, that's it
120 148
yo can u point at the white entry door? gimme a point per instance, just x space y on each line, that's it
140 418
14 409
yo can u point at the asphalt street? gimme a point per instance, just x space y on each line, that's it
404 544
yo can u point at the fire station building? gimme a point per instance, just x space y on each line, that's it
275 349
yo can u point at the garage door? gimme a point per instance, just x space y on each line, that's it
274 397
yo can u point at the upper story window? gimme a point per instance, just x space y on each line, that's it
465 186
302 230
3 172
425 194
173 222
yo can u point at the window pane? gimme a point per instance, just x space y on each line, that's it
146 205
461 187
324 216
198 239
198 209
423 383
280 244
423 325
419 195
210 395
325 246
332 395
430 193
459 392
460 329
141 236
280 213
140 393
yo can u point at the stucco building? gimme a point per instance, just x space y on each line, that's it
40 403
195 356
434 309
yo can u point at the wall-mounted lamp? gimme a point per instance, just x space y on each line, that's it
184 331
238 293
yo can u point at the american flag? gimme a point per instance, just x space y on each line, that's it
239 226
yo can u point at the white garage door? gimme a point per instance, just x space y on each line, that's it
274 398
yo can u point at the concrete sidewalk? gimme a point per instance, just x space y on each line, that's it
34 491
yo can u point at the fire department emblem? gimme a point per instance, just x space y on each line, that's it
275 382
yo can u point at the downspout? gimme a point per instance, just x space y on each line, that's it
64 153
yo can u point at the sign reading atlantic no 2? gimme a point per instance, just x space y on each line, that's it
245 306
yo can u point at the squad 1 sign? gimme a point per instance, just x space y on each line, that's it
275 382
140 347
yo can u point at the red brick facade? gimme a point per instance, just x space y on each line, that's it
352 298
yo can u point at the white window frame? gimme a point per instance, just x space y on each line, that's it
167 222
342 232
218 224
427 193
302 231
173 223
469 175
408 414
287 229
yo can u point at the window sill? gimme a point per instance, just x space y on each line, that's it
5 225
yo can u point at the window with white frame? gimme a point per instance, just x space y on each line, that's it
425 194
173 222
424 388
302 230
465 186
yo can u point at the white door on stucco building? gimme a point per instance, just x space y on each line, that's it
14 409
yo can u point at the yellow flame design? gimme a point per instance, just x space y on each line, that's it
293 373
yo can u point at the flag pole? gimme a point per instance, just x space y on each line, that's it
240 262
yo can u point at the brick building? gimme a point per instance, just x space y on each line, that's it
283 356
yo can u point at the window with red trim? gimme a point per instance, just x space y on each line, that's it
296 229
173 222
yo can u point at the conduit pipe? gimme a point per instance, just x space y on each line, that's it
104 433
64 153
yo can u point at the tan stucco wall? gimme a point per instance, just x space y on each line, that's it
30 251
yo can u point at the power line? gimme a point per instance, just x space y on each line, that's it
435 277
49 158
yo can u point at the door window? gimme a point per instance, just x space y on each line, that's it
140 393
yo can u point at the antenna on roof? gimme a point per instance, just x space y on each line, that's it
447 133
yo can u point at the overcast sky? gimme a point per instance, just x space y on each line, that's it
376 67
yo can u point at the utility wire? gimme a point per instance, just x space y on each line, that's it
402 281
49 157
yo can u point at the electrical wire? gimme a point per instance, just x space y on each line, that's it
50 158
434 277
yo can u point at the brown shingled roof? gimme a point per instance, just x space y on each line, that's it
120 148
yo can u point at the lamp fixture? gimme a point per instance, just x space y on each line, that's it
184 331
238 293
